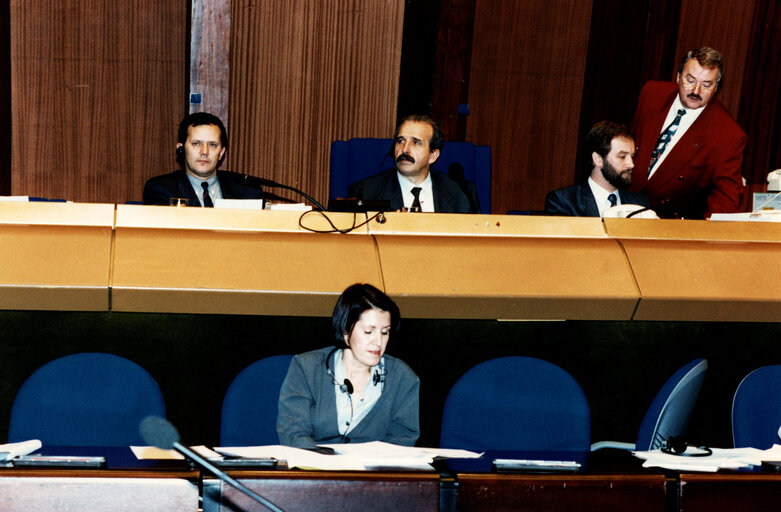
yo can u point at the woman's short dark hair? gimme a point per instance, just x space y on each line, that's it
356 299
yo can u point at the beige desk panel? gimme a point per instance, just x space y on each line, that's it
168 217
56 214
667 229
703 270
500 277
432 224
55 256
699 281
250 272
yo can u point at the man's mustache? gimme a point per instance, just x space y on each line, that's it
694 96
405 156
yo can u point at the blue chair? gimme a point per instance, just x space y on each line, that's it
249 410
356 159
756 409
670 412
86 399
516 403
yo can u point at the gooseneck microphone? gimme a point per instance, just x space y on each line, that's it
160 433
255 182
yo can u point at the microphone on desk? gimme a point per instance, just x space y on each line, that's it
160 433
255 182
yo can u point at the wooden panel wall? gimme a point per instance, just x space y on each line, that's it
525 88
726 26
306 73
97 90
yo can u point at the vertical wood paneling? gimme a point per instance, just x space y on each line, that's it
760 102
210 56
726 26
525 88
97 92
304 74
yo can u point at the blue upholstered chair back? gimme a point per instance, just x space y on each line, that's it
671 410
249 410
87 399
756 409
516 403
356 159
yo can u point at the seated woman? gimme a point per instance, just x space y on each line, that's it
351 392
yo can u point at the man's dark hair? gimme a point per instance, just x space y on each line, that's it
437 139
600 139
198 119
706 56
352 303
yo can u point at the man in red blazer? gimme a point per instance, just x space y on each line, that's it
689 149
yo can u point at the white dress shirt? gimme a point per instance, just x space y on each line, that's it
686 121
426 195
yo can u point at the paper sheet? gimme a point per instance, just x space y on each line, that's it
351 456
721 458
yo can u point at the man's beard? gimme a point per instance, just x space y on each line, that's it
619 180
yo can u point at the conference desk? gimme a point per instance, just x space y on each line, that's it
123 484
609 481
133 258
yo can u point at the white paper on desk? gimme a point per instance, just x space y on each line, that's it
295 457
12 450
152 452
721 458
377 449
14 199
289 207
239 204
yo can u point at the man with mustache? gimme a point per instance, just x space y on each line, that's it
609 150
689 149
413 184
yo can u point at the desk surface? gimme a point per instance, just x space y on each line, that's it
610 481
87 257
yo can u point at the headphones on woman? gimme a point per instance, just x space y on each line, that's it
347 386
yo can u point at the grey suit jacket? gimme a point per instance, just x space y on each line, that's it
448 196
578 201
307 405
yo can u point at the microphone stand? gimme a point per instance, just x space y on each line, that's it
222 475
254 181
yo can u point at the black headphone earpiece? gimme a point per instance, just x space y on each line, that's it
347 386
676 445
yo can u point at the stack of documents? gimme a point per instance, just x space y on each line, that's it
376 455
721 458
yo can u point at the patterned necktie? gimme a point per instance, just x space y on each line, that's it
207 200
416 202
664 139
612 199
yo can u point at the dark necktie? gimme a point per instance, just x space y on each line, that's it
207 200
416 202
612 199
664 139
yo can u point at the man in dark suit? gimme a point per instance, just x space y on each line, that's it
201 146
609 148
413 184
689 149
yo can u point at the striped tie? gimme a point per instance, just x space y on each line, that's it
207 200
664 139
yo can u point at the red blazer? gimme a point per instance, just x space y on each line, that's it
701 174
